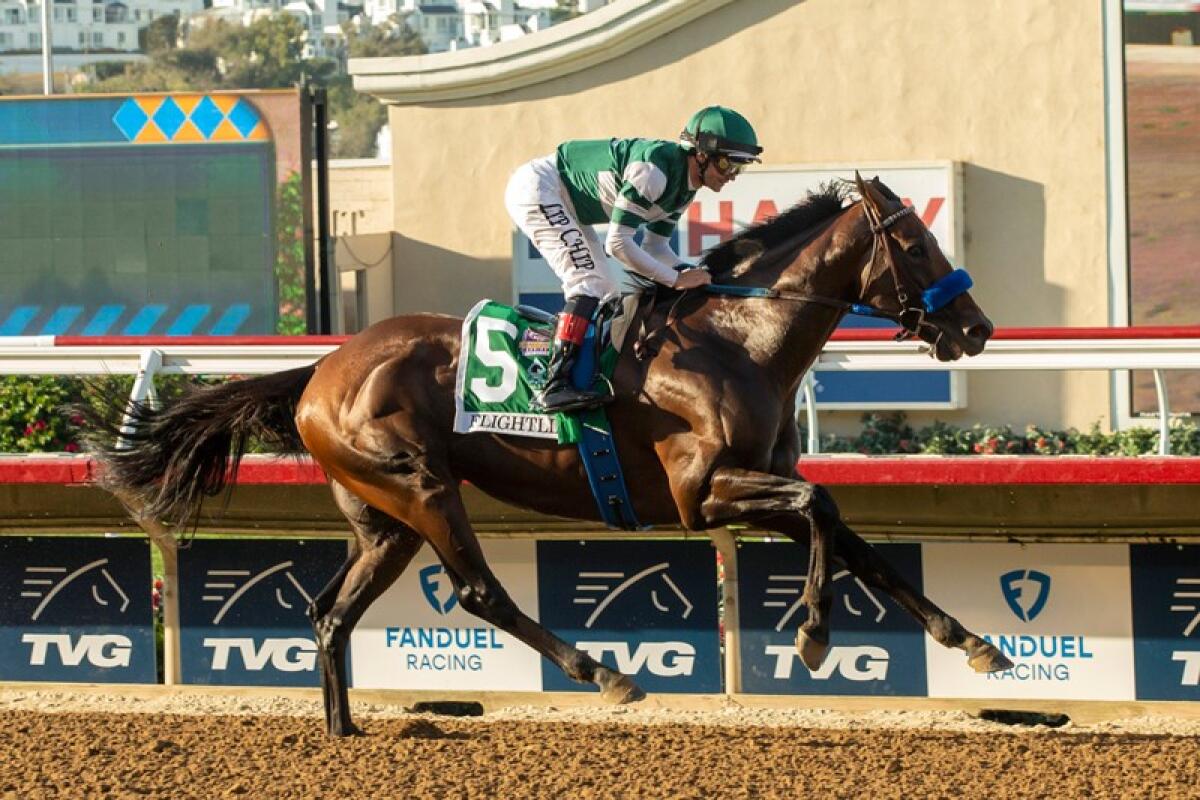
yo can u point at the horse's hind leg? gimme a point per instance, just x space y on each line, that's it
873 569
439 515
382 548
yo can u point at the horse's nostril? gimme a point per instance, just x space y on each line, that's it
980 332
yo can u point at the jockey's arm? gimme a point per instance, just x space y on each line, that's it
639 259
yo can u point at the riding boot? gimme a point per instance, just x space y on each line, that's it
559 392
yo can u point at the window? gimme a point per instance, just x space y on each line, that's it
120 38
6 39
1162 141
35 41
97 38
12 16
82 39
97 13
72 15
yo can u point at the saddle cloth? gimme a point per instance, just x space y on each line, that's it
503 364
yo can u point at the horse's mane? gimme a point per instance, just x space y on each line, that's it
817 207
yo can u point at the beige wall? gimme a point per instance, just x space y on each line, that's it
1012 88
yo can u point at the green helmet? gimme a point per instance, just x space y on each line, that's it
717 129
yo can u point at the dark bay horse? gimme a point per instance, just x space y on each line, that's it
704 424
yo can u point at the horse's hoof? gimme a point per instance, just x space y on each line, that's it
349 729
812 651
617 688
988 659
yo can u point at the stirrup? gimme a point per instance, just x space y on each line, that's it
583 400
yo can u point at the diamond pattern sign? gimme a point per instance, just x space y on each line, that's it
150 119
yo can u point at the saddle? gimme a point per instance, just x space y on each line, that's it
503 364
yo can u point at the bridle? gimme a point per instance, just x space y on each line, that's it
911 317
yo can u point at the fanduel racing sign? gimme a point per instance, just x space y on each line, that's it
76 609
1061 613
242 609
876 646
417 635
1166 620
647 609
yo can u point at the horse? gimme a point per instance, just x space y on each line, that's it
703 416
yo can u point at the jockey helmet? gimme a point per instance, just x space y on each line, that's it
719 130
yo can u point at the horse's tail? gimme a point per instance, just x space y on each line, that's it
163 462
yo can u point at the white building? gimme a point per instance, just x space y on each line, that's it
85 25
321 19
451 24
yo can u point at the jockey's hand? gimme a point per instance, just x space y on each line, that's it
691 278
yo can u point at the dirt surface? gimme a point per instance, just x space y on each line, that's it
593 753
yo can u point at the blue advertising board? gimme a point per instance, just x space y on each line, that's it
877 648
1165 587
649 609
242 609
76 609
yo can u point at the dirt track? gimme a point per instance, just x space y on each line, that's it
152 755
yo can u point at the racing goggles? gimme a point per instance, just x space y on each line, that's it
730 165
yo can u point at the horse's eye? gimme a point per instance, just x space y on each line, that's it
915 251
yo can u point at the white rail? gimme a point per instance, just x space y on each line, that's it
40 356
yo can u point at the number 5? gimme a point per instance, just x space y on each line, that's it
500 359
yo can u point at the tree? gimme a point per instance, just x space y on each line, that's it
564 10
360 117
161 34
390 38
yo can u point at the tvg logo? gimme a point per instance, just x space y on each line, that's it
664 659
99 650
295 654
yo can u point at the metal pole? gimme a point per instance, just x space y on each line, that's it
1164 414
328 272
726 544
47 50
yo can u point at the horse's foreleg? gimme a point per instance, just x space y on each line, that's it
873 569
383 547
798 510
443 521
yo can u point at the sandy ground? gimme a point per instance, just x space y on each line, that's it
60 744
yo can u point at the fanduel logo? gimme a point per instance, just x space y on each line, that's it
433 581
286 655
1191 666
99 650
1026 592
664 659
862 663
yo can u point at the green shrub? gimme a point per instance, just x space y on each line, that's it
890 433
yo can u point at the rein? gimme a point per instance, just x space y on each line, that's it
910 318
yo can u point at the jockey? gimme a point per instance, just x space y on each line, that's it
627 184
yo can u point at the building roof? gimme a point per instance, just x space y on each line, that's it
602 35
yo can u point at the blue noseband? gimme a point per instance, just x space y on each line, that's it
946 289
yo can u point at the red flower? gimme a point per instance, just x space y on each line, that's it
71 447
29 430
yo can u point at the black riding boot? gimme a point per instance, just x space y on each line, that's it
559 393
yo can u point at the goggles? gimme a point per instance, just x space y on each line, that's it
729 165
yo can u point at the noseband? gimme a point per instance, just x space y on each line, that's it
910 317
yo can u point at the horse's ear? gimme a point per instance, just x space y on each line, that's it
860 185
871 200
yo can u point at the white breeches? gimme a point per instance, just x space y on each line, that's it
539 204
